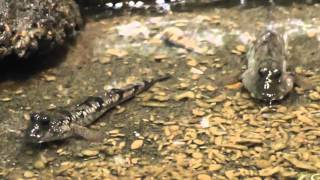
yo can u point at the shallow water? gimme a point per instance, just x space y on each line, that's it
218 131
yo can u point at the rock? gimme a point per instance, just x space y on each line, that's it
261 163
198 142
197 155
314 96
117 53
203 177
192 62
219 98
50 78
198 112
63 167
311 34
196 71
39 164
241 48
185 95
6 99
133 29
154 104
160 57
105 60
236 52
214 167
299 164
89 152
36 25
28 174
234 86
230 174
136 144
269 171
161 98
211 88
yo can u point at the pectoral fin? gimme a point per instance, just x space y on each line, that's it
303 82
231 78
87 133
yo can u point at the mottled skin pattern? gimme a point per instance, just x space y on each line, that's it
266 77
66 122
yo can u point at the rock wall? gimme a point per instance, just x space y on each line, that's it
28 26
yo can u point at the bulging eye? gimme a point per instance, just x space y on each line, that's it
276 73
39 118
45 123
263 71
35 117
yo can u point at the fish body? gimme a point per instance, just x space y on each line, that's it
266 77
63 123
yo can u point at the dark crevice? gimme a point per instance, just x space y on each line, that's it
13 68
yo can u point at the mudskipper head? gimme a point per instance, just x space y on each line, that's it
44 127
272 82
269 80
266 77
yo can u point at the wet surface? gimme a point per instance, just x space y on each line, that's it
199 124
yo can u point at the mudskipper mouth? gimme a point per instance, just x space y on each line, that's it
268 89
32 139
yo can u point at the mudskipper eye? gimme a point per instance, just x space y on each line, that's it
39 118
276 73
45 121
34 117
263 71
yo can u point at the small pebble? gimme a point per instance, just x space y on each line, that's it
51 106
192 62
159 57
198 142
28 174
39 164
261 163
197 155
117 52
211 88
50 78
236 52
311 34
241 48
196 71
234 86
6 99
183 85
215 167
105 60
203 177
198 112
185 95
89 152
18 92
136 144
298 70
314 96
